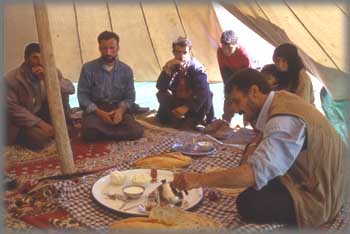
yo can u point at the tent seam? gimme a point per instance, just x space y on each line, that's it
313 37
341 9
78 35
182 25
149 35
109 15
257 3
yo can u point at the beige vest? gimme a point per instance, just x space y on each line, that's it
316 179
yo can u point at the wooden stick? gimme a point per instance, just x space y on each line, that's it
53 88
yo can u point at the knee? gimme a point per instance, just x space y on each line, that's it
244 205
163 117
136 132
89 134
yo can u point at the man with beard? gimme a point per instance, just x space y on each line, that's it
28 117
296 173
106 93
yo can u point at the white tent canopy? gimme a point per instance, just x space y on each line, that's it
147 29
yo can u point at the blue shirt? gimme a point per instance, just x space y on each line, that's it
283 139
97 84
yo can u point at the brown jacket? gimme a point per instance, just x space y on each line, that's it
316 179
305 89
24 101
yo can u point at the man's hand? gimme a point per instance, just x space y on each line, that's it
117 115
173 65
47 128
180 111
38 71
104 116
187 181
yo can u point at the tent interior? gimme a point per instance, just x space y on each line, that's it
147 29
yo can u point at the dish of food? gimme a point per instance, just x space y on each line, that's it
200 148
112 196
133 191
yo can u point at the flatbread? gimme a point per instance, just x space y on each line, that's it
138 223
167 218
182 219
164 161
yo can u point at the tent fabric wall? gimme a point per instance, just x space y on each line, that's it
146 29
318 29
65 39
19 30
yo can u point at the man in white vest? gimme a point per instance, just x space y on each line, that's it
295 174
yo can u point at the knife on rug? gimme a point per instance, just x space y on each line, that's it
68 176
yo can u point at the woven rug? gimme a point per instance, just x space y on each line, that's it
68 204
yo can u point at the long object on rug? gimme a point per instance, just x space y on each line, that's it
53 91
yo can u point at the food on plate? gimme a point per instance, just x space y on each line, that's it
170 218
170 194
117 177
165 195
154 175
204 146
141 179
133 191
164 160
214 195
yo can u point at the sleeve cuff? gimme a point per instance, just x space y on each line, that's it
260 181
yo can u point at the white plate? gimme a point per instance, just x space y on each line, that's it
194 150
103 185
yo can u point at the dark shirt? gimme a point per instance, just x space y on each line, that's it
197 80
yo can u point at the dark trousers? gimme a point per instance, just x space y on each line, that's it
168 102
93 128
273 203
35 138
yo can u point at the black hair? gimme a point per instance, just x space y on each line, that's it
31 48
183 42
289 79
269 69
106 35
244 79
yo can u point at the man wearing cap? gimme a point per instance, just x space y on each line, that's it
231 57
184 97
28 117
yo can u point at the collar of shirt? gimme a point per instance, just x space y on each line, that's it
105 67
32 77
263 115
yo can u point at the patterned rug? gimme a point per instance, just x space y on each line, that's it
46 206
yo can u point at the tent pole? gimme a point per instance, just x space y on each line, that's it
53 88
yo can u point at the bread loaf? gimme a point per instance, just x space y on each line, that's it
169 218
182 219
138 223
164 160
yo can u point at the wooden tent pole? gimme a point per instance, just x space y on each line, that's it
53 88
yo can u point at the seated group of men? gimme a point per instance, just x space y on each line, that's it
106 93
294 173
